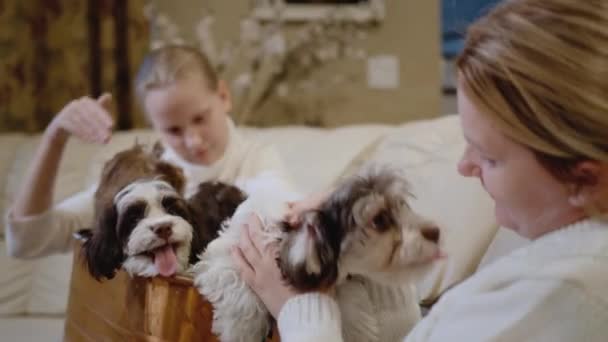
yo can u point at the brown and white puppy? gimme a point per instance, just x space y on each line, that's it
143 223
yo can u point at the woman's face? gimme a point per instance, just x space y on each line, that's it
527 198
191 119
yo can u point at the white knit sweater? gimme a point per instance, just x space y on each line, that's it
555 289
51 232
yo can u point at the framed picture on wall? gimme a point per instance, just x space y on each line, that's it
305 10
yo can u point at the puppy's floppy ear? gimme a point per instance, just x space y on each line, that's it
309 256
102 252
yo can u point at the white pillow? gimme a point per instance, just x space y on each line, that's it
50 286
316 157
428 152
15 281
37 286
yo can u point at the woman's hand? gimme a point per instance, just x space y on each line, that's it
85 118
297 208
258 267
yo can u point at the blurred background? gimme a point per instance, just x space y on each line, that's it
318 63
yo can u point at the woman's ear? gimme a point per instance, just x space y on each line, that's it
590 184
223 91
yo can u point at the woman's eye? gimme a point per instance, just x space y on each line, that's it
489 161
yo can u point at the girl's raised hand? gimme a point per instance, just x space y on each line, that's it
86 118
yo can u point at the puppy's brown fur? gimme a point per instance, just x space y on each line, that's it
211 205
134 164
101 251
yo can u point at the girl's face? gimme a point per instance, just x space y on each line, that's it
527 198
191 119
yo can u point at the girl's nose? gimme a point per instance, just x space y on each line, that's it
193 139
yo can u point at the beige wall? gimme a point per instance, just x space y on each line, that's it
410 31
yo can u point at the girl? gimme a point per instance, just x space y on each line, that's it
186 105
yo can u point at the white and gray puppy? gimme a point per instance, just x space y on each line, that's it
365 228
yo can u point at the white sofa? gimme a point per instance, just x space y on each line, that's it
33 293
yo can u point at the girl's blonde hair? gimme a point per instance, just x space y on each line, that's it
539 70
166 65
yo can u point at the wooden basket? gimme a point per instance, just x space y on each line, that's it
136 309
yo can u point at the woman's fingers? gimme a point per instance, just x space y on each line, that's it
248 248
247 271
256 236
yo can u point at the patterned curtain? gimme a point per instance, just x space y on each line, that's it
52 51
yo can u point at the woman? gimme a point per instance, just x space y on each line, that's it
533 86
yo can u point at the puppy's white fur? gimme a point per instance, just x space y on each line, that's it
239 315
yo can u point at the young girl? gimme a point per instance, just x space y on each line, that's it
187 106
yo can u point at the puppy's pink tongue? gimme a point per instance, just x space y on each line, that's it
165 261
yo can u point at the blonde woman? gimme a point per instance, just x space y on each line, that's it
533 101
186 104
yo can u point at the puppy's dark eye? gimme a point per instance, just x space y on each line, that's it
174 206
382 221
131 216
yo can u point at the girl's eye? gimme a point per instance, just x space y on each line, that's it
199 119
174 130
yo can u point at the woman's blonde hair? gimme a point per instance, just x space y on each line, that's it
539 69
166 65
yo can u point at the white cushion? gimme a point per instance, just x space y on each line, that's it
15 283
38 286
50 285
31 329
10 144
315 157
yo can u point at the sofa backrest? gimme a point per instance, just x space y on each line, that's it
427 150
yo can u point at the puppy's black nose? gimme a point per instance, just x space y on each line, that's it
430 233
163 230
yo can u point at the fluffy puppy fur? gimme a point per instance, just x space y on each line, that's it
143 223
238 314
364 228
